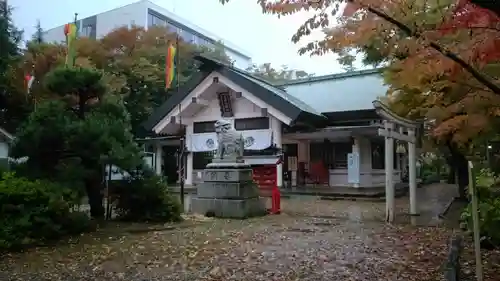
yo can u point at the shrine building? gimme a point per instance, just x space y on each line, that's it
332 130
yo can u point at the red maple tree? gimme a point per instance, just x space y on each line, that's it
468 15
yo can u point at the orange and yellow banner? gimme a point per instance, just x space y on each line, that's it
170 70
70 30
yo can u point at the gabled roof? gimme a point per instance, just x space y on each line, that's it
272 95
174 100
276 97
335 76
350 91
6 134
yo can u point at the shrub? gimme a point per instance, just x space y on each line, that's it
145 197
34 212
488 208
4 165
486 181
429 175
489 220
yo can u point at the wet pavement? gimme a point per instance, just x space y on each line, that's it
431 201
311 240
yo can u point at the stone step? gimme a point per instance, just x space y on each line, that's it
227 208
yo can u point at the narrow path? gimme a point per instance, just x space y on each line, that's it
431 199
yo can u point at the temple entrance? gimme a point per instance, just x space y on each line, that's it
170 163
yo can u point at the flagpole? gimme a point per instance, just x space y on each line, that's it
76 36
29 83
182 148
30 86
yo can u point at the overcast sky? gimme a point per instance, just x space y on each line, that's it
241 22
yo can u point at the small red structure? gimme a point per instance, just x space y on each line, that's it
275 201
276 194
266 177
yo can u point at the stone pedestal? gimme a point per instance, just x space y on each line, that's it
228 191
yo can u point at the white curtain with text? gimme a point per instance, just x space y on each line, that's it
253 139
257 139
203 142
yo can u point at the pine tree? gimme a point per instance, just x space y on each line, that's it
10 37
38 35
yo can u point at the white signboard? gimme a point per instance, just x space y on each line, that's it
353 168
116 173
149 160
119 174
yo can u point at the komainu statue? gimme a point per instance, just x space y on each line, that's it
230 141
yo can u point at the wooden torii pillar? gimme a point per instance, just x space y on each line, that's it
397 128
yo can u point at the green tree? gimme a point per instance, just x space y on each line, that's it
12 110
38 35
217 52
78 134
267 72
132 62
133 65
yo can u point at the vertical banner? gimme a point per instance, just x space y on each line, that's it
353 168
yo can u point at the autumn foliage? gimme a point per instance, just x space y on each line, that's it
415 40
131 60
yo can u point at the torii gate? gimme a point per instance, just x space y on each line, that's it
402 129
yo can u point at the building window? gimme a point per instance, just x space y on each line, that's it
188 36
258 123
86 30
203 42
204 127
196 40
155 21
172 28
332 155
341 149
322 152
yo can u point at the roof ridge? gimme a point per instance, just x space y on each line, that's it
241 71
244 72
333 76
6 133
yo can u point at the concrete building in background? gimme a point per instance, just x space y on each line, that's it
145 13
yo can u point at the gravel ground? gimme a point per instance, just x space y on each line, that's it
313 240
271 248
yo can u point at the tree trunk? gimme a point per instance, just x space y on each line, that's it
95 198
451 179
452 175
92 184
462 177
93 187
461 170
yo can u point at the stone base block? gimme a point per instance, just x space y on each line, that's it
227 165
226 208
227 175
228 190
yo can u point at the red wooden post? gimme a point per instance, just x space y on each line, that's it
275 194
276 201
